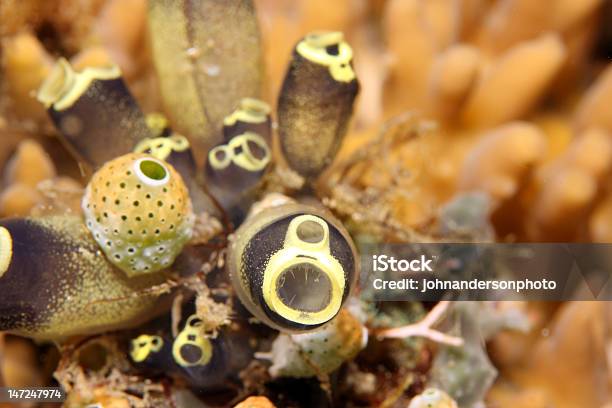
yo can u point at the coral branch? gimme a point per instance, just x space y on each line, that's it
423 328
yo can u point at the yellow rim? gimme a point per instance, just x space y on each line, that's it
193 328
64 86
245 159
157 123
162 147
6 250
298 251
251 110
314 48
144 345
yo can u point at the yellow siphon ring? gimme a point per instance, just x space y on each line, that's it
297 251
251 110
192 335
6 250
314 48
64 85
144 345
246 159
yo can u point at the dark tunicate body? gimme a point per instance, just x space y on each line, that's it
314 110
229 354
57 282
103 121
233 180
270 264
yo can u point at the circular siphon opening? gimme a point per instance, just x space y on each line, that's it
219 155
191 353
311 232
333 49
304 287
153 170
258 151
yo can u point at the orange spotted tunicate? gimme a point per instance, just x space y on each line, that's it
138 210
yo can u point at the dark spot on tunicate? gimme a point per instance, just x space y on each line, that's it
122 185
108 243
105 215
136 203
159 203
333 49
117 256
131 250
144 232
98 219
108 184
157 231
172 207
117 202
171 226
148 196
138 186
138 219
104 199
151 215
130 232
124 217
191 337
128 173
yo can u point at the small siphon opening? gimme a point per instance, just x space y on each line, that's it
333 49
191 353
220 155
256 150
304 287
153 169
310 231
